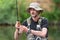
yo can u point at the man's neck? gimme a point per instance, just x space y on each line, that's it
36 18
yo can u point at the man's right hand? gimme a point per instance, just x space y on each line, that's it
19 27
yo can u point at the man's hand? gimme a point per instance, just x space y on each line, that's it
25 28
19 27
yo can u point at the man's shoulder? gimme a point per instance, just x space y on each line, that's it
24 22
44 19
27 19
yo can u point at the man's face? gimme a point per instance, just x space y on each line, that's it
33 12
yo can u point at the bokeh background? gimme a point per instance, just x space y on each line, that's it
8 17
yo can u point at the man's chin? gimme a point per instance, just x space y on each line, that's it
33 16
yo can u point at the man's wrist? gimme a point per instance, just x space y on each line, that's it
29 31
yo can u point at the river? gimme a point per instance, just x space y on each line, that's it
7 33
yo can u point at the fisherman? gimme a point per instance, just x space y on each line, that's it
36 26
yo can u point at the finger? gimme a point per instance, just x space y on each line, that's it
17 24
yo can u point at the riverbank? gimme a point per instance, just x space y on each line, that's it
7 24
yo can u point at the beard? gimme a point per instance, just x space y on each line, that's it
34 16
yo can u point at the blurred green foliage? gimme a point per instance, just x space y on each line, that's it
8 12
56 1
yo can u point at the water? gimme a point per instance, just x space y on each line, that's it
7 33
54 32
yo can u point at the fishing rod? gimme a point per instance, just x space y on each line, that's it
17 15
17 10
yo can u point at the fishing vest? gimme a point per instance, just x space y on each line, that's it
31 36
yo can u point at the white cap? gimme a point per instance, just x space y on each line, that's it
35 6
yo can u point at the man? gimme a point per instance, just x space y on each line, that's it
36 27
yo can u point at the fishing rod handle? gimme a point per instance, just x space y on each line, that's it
18 25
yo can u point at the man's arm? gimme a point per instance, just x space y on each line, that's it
16 35
41 33
18 32
44 29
